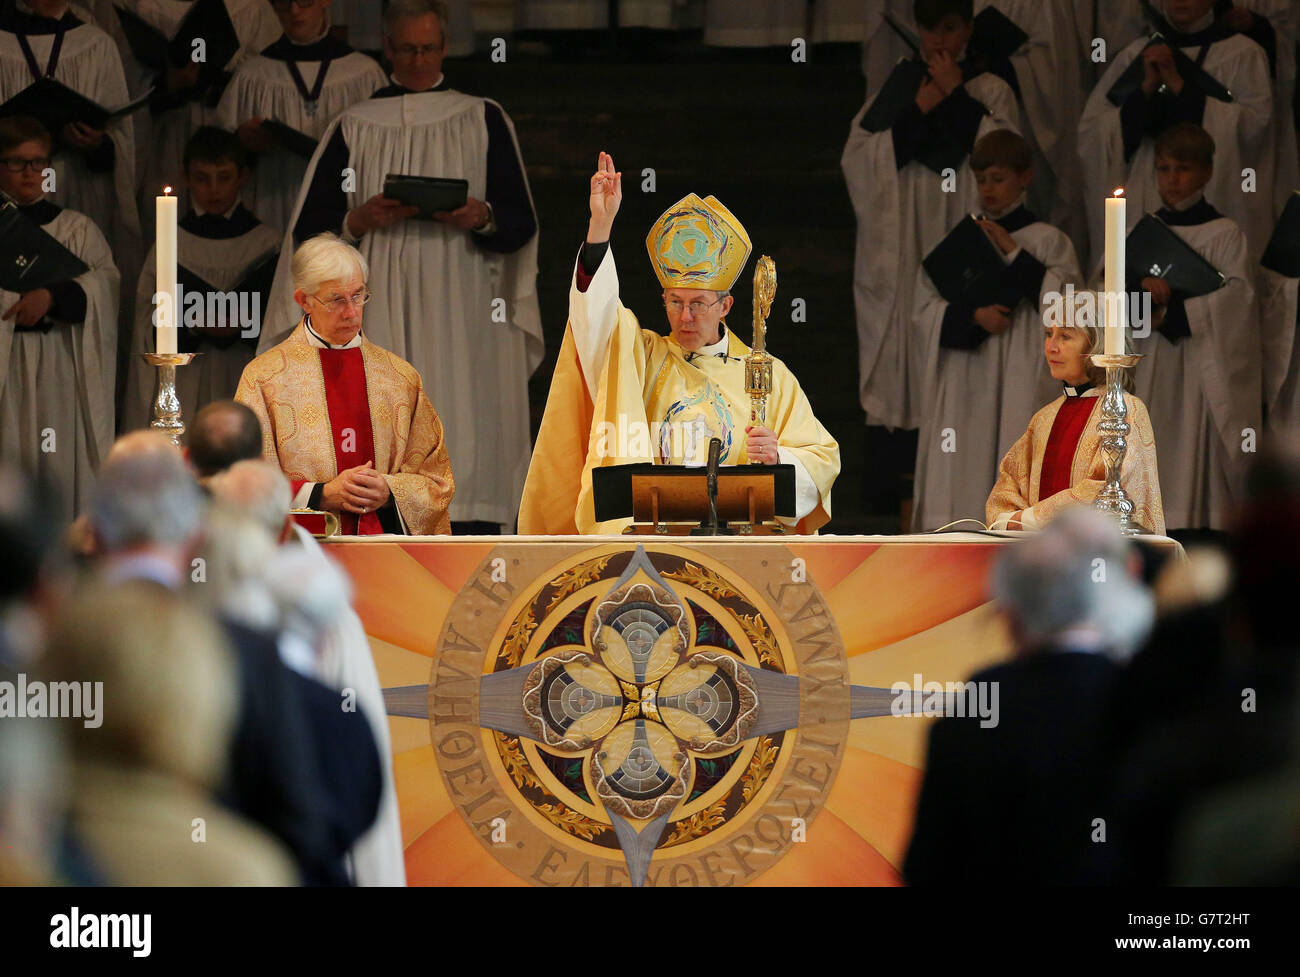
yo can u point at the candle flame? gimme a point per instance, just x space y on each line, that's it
1119 192
167 191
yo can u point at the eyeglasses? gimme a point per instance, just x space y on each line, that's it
283 5
698 308
416 50
337 305
15 164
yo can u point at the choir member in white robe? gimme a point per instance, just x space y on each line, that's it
905 204
1279 319
57 344
985 368
1201 373
94 169
181 108
303 80
455 297
1117 144
219 241
1045 75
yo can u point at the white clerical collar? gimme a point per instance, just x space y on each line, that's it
1010 209
1086 389
1189 203
200 212
431 88
1196 27
713 349
314 338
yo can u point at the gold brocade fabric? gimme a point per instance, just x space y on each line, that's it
647 385
284 387
1021 469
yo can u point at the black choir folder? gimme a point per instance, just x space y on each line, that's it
1191 73
1283 252
431 194
257 279
29 257
967 268
207 20
294 140
1155 251
55 104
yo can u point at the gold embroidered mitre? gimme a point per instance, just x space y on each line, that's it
698 244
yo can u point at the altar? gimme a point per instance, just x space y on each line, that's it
687 711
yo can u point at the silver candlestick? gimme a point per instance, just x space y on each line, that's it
1114 428
167 405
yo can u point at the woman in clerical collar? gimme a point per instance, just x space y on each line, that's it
1057 462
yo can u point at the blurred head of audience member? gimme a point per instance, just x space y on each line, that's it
222 433
1072 586
146 769
146 513
258 581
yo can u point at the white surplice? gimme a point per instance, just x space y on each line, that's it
978 402
263 88
1281 352
88 63
214 373
166 134
437 297
1204 392
56 403
1050 102
902 215
1241 137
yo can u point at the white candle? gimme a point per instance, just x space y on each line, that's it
1114 287
165 287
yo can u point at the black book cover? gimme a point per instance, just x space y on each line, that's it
967 268
256 279
207 19
1153 250
895 95
1283 252
431 194
29 257
1191 73
289 138
55 105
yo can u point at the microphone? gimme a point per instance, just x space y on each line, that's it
710 526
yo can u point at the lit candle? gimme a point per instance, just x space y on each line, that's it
1114 287
165 287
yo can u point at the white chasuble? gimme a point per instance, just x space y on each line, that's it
263 88
214 373
56 402
1204 391
1020 473
978 401
623 394
88 63
1281 352
1241 138
466 318
902 215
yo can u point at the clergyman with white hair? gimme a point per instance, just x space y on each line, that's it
348 422
273 573
1026 800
